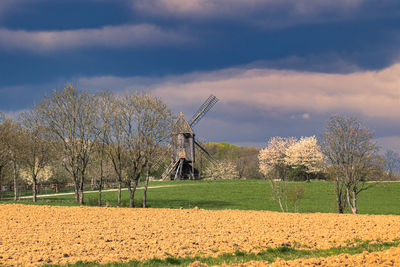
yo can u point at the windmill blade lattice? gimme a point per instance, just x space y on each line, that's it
204 108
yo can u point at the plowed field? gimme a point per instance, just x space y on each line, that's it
390 257
34 235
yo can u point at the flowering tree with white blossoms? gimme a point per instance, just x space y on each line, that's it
272 159
306 152
273 165
222 170
41 175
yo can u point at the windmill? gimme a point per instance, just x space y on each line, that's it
183 144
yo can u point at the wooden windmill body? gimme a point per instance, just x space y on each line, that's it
183 145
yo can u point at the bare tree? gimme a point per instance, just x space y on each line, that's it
392 163
104 110
71 117
116 139
38 148
157 158
13 147
4 151
155 124
352 157
146 124
132 142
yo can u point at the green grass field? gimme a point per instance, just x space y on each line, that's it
381 198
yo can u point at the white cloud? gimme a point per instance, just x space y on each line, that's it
367 93
371 94
107 36
254 102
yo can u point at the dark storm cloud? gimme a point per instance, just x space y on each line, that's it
280 67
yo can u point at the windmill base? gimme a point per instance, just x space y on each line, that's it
181 170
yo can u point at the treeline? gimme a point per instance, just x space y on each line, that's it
74 136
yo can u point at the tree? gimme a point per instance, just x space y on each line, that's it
104 111
115 138
146 124
272 159
392 163
352 158
38 148
245 158
12 136
4 150
306 153
155 124
71 117
223 169
40 177
273 165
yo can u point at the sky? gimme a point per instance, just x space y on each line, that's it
278 67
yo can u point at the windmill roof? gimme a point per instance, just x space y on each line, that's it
182 126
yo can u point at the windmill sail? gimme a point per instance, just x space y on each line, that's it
202 149
204 108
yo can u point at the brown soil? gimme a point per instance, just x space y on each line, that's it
34 235
390 257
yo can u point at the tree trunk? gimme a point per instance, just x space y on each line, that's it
101 181
339 198
34 189
280 204
82 189
15 181
145 188
119 192
1 182
354 209
76 190
131 194
100 187
352 200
